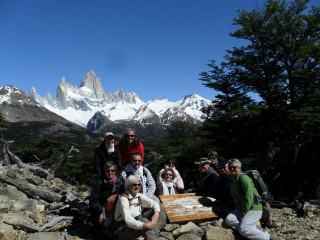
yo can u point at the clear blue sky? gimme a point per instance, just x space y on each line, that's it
156 48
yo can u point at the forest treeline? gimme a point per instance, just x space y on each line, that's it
266 110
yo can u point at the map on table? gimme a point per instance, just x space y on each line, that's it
183 208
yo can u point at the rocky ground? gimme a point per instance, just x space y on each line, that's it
23 217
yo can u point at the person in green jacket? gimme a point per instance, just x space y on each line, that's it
247 202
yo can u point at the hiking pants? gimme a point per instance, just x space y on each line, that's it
247 225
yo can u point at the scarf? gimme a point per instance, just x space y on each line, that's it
111 181
110 149
166 186
139 173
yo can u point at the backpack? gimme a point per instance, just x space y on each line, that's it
259 184
110 207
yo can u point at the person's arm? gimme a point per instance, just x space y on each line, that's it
150 225
247 187
141 151
95 199
151 184
178 180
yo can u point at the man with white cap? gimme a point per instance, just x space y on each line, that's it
106 152
208 178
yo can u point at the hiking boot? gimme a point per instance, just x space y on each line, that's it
273 225
273 236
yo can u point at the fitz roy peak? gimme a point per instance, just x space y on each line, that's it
89 104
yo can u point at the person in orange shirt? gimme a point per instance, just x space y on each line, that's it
128 145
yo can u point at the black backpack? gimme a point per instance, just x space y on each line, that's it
259 184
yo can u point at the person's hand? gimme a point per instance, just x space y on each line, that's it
267 204
189 190
101 218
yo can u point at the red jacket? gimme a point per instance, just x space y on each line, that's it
126 152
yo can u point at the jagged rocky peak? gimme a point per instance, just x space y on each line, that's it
12 94
92 82
63 82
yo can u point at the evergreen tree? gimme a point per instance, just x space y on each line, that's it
281 66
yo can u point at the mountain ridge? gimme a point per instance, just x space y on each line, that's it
91 98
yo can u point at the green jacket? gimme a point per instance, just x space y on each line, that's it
243 192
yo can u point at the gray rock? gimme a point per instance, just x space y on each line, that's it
14 194
188 236
4 207
166 236
28 205
13 218
171 227
191 228
218 233
46 236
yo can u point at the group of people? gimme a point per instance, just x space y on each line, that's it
138 208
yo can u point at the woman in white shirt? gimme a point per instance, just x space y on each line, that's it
177 181
128 213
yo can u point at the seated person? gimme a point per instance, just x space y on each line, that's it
208 178
214 157
247 203
177 181
148 186
101 191
224 202
166 186
128 213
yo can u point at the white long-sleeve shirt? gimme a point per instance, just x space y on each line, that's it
129 208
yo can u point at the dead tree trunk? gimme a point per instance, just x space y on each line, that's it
32 191
70 148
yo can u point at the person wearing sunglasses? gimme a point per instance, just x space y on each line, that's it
208 178
247 202
214 157
135 168
177 180
128 212
101 191
106 152
128 145
167 186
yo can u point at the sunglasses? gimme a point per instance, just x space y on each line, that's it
232 168
223 167
110 170
168 174
136 160
130 135
136 184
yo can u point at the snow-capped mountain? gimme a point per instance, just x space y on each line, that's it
89 104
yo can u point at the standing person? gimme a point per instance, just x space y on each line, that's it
177 181
166 186
247 202
101 191
128 213
134 168
106 152
208 178
129 144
